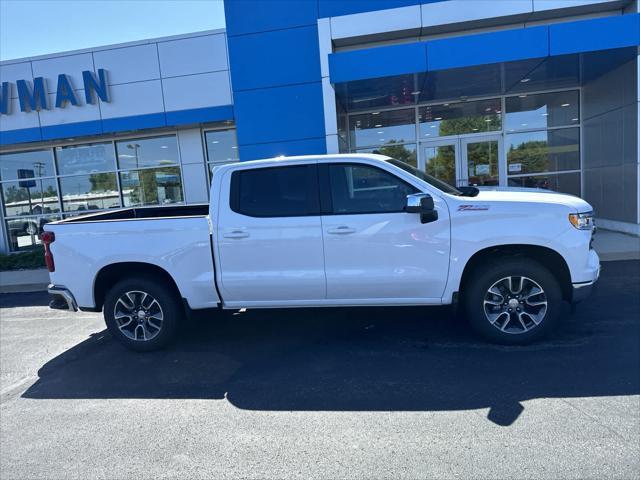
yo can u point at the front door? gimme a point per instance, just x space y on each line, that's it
374 251
469 160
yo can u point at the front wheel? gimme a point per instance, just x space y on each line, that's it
513 302
142 313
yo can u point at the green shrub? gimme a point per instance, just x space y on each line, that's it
23 260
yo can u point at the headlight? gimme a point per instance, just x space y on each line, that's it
582 221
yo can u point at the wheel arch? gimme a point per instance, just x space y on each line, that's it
547 257
113 273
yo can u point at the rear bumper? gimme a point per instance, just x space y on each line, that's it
62 298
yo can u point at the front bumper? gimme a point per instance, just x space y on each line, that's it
62 298
583 289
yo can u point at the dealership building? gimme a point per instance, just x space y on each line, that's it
495 93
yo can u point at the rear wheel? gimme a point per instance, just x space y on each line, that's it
513 302
142 313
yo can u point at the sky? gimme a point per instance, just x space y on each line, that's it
37 27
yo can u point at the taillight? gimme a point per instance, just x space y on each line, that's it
47 239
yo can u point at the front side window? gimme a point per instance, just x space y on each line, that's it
360 189
275 192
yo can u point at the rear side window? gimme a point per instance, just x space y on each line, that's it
361 189
276 191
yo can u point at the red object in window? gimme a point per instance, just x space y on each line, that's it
47 239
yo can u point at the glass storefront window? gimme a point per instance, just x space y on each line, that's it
543 151
89 158
37 163
460 118
561 182
380 128
152 186
544 110
147 152
222 146
404 153
23 232
30 197
97 191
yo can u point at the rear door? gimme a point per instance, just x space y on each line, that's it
375 252
269 237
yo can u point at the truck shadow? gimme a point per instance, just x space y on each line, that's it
372 359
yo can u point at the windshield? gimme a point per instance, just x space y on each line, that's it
439 184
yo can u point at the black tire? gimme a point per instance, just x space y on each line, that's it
486 277
167 300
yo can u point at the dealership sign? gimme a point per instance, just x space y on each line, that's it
33 96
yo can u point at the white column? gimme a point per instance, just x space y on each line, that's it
328 92
195 180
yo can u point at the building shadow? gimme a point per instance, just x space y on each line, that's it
367 359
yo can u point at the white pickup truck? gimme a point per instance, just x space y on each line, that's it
328 231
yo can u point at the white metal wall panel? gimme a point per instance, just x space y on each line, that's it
459 11
72 65
69 114
13 72
369 23
18 119
544 5
193 55
194 91
129 64
190 144
194 179
134 99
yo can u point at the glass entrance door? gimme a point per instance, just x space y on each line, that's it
440 160
473 160
480 161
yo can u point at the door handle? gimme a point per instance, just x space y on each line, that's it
341 230
236 234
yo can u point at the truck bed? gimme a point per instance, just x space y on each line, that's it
133 213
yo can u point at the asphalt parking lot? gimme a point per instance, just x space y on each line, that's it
333 393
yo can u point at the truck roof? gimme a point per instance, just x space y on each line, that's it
306 158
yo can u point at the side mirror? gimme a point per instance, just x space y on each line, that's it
422 203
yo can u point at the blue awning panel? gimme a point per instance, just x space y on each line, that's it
378 62
486 48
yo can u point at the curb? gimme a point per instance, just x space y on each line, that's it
22 281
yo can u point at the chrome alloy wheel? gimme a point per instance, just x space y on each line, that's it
138 316
515 304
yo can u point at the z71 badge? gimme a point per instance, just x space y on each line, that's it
472 208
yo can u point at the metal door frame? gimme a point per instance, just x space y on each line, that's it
463 178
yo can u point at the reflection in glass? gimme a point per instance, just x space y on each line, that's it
380 128
96 157
562 182
542 110
482 163
24 233
460 117
153 186
147 152
404 153
37 163
440 162
222 146
30 197
545 151
89 192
